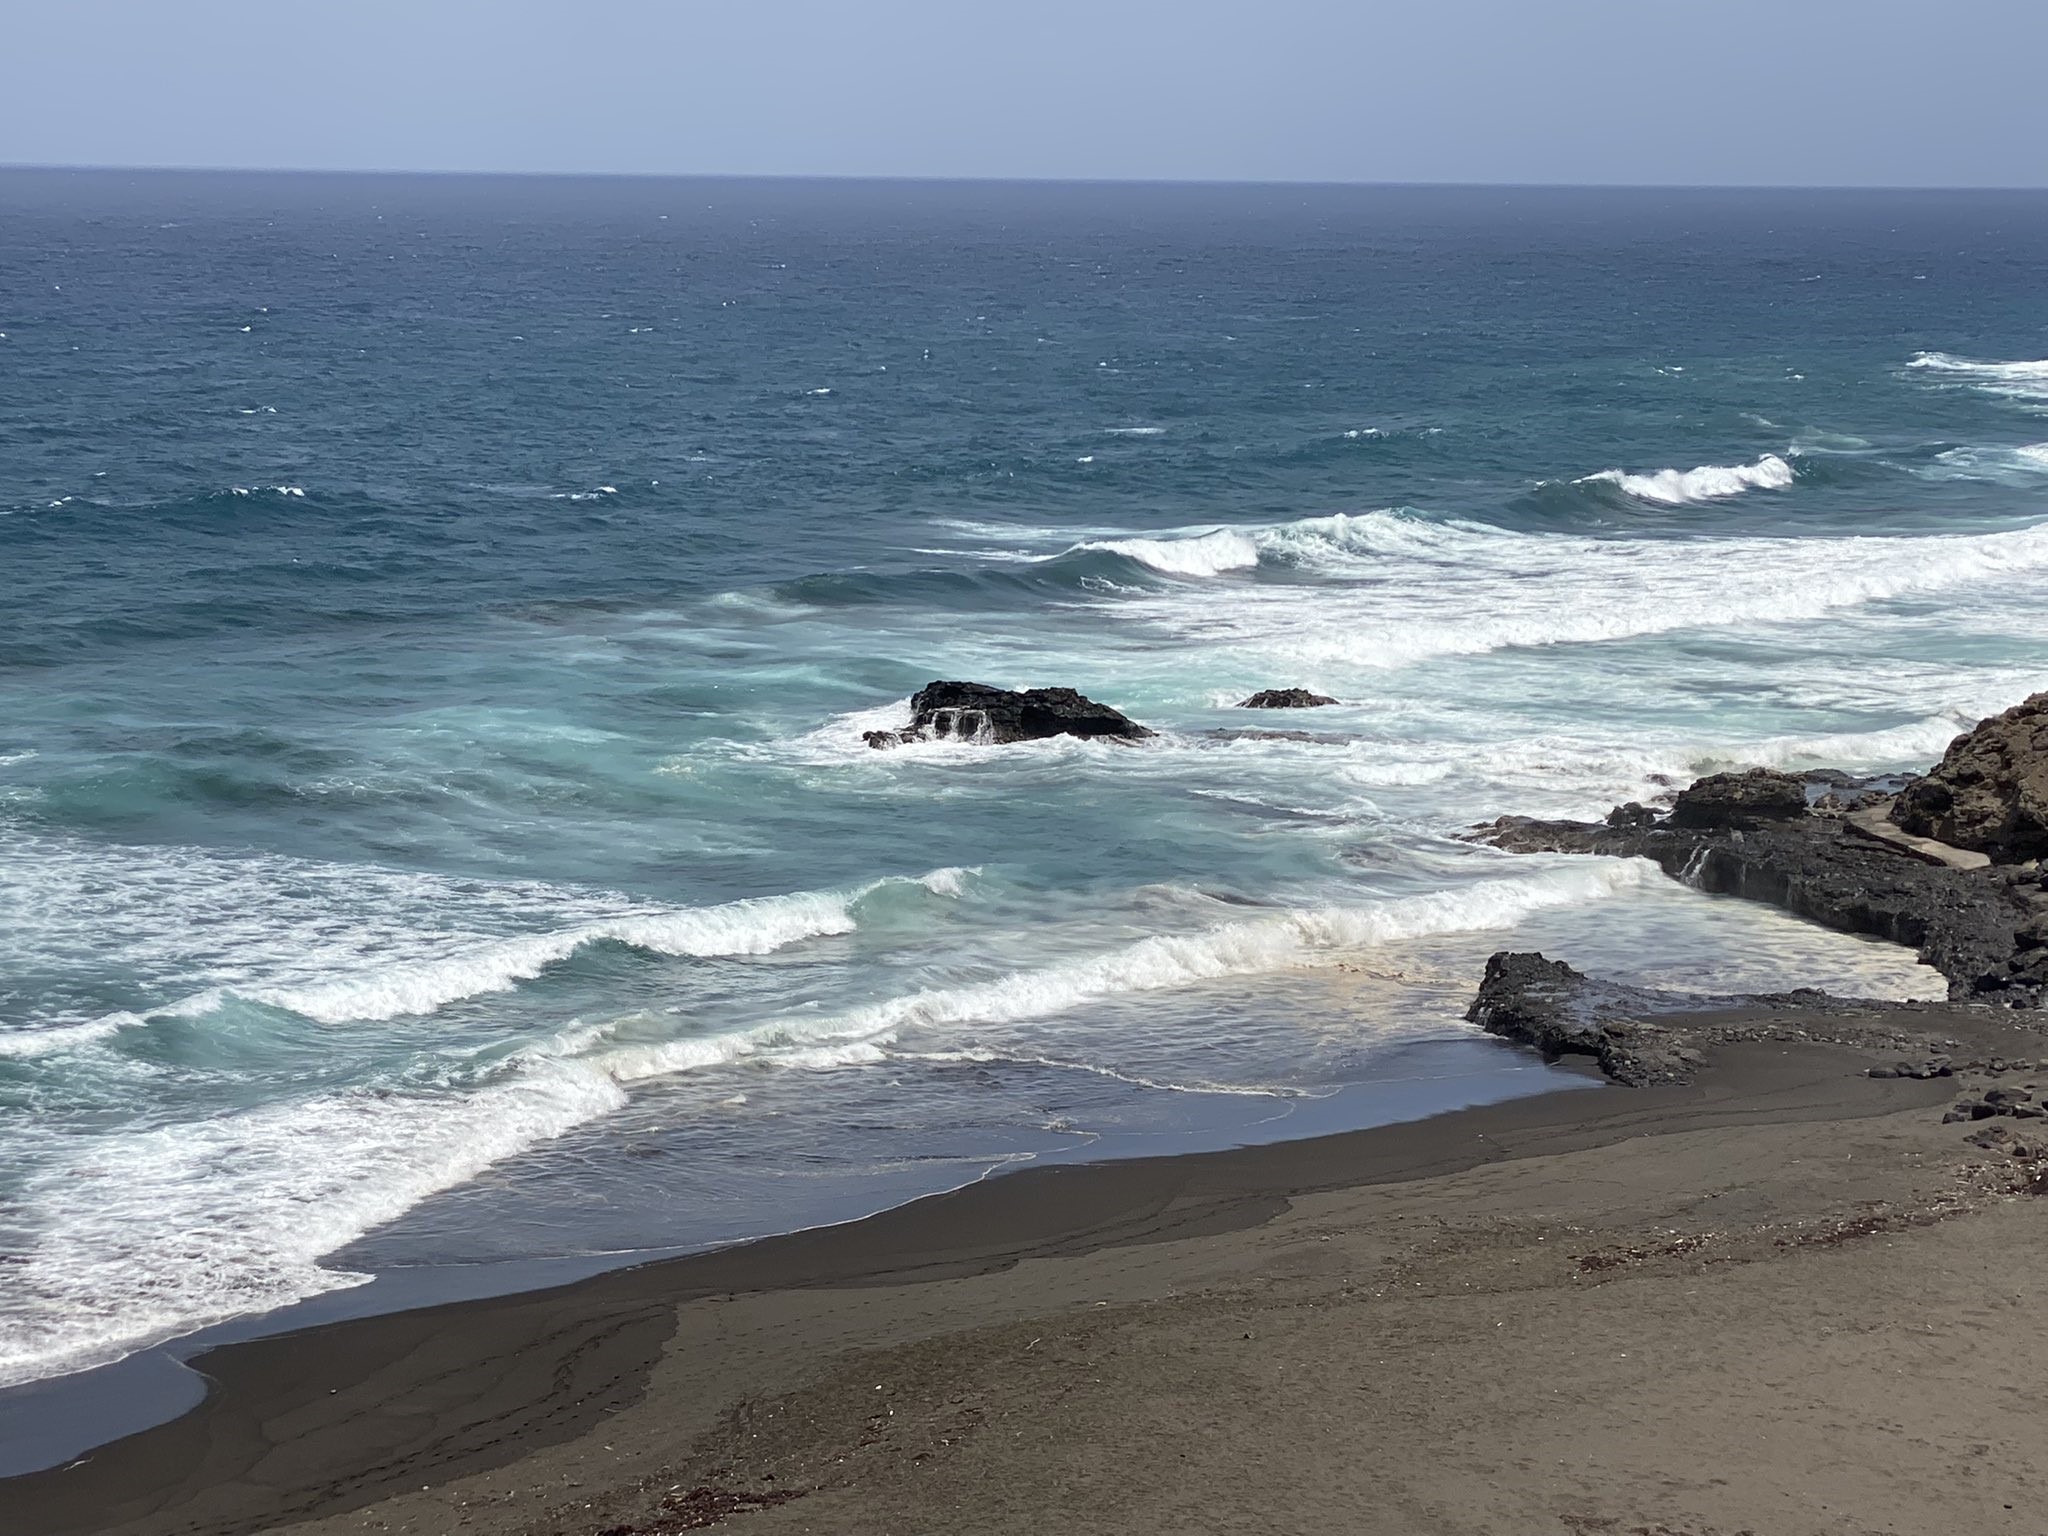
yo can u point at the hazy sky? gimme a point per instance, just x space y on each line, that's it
1890 92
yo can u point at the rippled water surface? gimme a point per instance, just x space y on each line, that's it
441 616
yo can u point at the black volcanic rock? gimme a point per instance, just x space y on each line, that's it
1980 928
1641 1036
976 712
1546 1004
1285 698
1990 790
1740 800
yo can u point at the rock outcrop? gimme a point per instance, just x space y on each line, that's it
1990 790
1641 1035
975 712
1546 1004
1726 800
1985 930
1285 698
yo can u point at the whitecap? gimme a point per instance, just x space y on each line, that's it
1709 482
1204 554
22 1044
757 926
2007 465
338 943
2023 380
1403 588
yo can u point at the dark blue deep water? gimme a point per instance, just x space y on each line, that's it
440 616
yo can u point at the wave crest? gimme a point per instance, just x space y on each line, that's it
1709 482
1253 946
1205 554
2023 379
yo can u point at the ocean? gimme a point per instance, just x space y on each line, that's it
441 615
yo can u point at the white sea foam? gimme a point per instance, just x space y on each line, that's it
2022 380
1135 431
1943 362
1916 742
1561 774
53 1039
1275 941
2009 465
348 942
757 926
141 1235
1421 588
1206 554
1709 482
737 928
982 1056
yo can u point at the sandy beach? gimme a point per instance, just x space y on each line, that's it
1787 1298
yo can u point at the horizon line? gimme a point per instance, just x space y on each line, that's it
908 178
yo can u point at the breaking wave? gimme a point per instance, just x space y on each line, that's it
1206 554
146 1234
1252 946
344 943
2020 380
2010 465
1709 482
1404 587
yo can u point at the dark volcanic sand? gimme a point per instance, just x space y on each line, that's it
1784 1298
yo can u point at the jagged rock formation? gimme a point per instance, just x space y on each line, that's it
975 712
1990 790
1985 930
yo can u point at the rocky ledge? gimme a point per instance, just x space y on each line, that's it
1820 847
976 712
1640 1036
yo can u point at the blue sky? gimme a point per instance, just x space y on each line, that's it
1850 92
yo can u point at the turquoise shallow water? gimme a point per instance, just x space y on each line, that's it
441 616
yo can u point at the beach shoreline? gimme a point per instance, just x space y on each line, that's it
566 1410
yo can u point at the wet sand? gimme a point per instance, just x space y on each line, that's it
1783 1299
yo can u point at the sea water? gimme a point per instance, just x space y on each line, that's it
441 616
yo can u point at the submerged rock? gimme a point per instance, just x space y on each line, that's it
1285 698
1990 790
976 712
